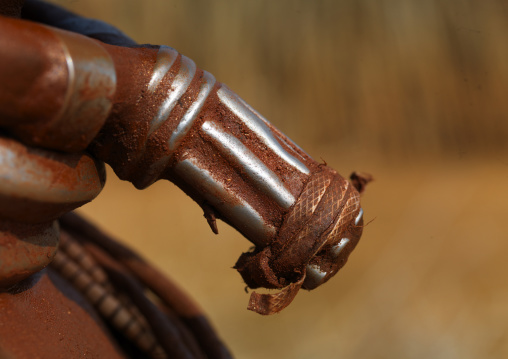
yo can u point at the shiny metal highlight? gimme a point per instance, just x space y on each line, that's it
157 167
178 88
91 85
188 119
258 126
288 142
359 217
238 212
336 249
314 276
282 137
166 57
257 171
38 185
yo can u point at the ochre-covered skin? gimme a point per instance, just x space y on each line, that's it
177 322
61 323
25 249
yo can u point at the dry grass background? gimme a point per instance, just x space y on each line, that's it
411 91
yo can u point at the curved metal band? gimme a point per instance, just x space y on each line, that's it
38 186
178 87
166 57
257 125
261 176
187 120
241 214
88 101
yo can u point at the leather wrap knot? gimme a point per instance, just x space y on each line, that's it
324 211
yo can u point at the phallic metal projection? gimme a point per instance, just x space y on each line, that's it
151 114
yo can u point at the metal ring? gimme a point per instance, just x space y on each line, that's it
88 101
38 186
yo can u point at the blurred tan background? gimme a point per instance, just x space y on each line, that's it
411 91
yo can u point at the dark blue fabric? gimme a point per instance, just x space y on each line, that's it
53 15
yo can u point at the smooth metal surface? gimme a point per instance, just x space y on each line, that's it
178 88
238 212
359 217
336 249
91 81
188 119
314 276
166 57
39 185
88 99
257 171
30 177
256 125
